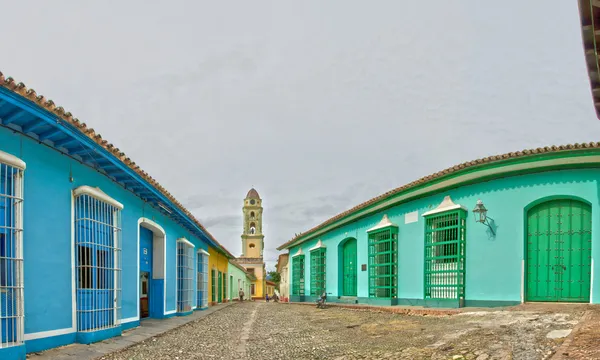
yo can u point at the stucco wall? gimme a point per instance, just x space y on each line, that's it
218 262
493 264
238 280
47 235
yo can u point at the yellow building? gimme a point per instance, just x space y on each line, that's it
253 243
270 288
218 263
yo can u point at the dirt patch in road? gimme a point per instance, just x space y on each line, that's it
338 333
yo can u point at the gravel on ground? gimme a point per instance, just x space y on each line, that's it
258 330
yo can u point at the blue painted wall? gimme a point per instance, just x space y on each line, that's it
493 264
47 234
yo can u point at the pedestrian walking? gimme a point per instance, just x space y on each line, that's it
267 297
241 295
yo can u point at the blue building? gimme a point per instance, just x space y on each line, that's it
89 243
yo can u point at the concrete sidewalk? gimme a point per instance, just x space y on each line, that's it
149 328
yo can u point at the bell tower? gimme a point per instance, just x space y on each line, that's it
252 236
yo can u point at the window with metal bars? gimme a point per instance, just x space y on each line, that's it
11 256
202 281
298 275
97 259
185 275
317 271
445 235
383 263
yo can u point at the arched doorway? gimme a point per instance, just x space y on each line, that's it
558 250
348 267
152 286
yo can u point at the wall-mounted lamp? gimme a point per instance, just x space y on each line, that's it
480 213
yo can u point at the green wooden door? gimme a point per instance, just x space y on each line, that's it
559 249
213 287
220 287
349 268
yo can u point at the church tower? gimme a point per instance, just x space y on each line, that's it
252 236
253 244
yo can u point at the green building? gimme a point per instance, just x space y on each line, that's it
239 278
496 231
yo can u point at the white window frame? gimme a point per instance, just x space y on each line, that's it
11 287
202 278
92 315
185 275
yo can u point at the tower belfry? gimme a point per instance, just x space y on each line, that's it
253 244
252 235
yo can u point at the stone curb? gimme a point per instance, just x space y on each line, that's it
564 347
391 309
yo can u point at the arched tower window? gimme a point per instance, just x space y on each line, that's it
252 230
252 215
252 246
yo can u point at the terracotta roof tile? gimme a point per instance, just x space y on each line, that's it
59 111
450 170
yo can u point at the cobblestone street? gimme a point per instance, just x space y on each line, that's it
258 330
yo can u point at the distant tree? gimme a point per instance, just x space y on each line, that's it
275 277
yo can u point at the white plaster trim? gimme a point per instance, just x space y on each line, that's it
97 194
203 252
131 319
592 284
298 253
45 334
319 245
73 286
522 280
385 222
446 205
154 227
151 225
186 241
170 312
579 160
12 160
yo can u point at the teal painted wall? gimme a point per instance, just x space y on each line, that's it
493 264
47 234
237 275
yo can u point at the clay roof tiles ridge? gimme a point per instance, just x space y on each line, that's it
428 178
59 111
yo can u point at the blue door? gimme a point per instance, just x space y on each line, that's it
146 237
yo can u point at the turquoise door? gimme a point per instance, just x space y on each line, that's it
349 268
559 251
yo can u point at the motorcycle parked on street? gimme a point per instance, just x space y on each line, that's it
322 301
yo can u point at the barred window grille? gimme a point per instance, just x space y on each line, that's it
11 256
298 275
185 275
317 271
383 263
202 284
98 262
445 235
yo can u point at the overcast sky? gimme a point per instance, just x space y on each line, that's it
318 104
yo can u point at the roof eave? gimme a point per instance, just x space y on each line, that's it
533 160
